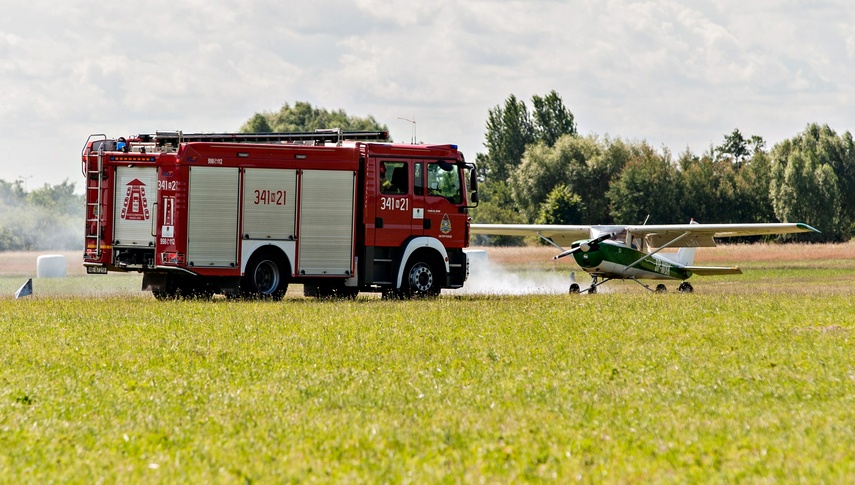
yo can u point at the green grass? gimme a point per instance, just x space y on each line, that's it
621 387
127 284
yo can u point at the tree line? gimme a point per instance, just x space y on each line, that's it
538 169
46 218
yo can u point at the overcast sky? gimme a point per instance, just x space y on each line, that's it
674 75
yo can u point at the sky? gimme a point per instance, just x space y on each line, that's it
678 75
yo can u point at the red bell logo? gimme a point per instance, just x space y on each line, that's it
135 207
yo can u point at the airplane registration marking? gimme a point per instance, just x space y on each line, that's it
662 267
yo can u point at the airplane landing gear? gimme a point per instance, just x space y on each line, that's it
592 290
660 288
575 289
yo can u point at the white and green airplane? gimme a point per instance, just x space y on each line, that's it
633 252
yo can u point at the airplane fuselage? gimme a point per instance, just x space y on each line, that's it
610 259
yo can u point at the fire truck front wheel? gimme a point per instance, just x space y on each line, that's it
422 279
264 278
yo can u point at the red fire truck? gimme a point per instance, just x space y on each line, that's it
248 213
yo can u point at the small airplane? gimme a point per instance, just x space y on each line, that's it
611 252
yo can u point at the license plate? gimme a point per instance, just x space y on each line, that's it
96 270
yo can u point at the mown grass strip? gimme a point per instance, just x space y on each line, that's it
602 388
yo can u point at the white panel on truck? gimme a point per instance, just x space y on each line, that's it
269 203
135 192
212 217
326 222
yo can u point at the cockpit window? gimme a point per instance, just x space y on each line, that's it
618 232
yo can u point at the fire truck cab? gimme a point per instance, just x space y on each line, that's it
247 214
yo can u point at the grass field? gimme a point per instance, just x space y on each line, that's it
749 379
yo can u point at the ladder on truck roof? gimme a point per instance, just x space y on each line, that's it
174 138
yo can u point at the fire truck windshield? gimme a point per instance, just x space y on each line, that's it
444 181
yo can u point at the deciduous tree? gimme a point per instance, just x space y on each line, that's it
649 185
552 119
511 129
304 117
561 206
813 180
509 132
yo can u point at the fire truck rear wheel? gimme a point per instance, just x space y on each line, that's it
422 279
264 278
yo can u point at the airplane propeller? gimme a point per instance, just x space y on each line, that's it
584 246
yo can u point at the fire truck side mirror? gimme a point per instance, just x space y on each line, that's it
473 185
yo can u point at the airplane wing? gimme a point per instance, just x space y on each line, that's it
713 270
697 235
561 235
701 235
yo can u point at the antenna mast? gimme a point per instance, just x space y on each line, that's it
413 121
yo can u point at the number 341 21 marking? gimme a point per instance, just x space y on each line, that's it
270 197
394 203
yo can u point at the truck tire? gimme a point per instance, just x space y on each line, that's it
264 278
421 280
166 288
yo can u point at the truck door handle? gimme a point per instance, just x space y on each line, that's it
153 219
378 223
426 224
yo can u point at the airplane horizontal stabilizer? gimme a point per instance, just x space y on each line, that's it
713 270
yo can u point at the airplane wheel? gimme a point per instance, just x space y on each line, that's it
660 288
574 289
592 290
685 287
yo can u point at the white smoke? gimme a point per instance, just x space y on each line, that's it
488 278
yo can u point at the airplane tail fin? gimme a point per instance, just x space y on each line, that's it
683 256
686 256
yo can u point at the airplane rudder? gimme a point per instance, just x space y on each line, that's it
686 256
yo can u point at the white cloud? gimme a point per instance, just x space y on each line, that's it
677 74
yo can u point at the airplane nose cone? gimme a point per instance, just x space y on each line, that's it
585 247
